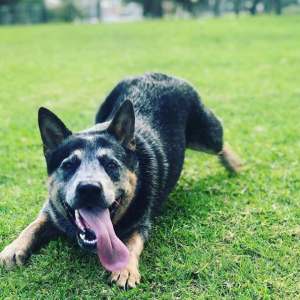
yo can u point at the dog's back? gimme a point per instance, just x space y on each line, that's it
169 118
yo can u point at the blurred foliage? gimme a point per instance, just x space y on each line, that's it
13 2
35 11
66 12
151 8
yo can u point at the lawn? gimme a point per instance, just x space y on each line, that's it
218 236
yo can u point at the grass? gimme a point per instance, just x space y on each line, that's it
218 237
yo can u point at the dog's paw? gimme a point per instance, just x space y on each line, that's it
126 278
14 254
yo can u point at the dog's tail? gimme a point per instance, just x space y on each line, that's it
229 159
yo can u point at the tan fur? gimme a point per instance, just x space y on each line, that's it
53 191
229 160
128 277
129 194
119 131
102 153
78 153
132 145
19 250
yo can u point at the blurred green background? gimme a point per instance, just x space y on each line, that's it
111 11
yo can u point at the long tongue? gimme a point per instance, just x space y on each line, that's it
112 253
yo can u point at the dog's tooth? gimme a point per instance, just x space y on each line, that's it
76 215
91 242
87 241
78 222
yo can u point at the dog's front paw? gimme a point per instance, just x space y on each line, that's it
14 254
126 278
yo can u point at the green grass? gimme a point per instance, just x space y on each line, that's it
218 237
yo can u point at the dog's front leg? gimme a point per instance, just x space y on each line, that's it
128 277
38 232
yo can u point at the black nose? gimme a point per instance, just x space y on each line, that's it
89 195
89 190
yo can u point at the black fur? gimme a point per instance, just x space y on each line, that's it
169 118
141 133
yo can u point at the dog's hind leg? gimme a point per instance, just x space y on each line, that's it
205 133
38 232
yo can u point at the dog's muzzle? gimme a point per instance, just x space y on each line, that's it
89 194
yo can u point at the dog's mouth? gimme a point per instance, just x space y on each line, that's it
85 235
95 232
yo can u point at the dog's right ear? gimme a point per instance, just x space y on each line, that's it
53 130
122 124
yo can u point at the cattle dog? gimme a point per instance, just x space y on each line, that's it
107 183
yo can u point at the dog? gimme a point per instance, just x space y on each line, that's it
107 183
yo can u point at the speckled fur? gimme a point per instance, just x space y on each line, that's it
164 115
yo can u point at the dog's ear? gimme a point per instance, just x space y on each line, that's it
53 130
122 125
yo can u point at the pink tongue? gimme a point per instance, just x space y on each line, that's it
112 253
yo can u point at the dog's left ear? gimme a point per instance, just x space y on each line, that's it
53 130
122 125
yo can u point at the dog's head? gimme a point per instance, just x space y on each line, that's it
92 178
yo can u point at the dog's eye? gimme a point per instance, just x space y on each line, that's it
67 165
112 165
70 163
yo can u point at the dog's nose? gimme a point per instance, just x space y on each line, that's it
89 190
89 195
